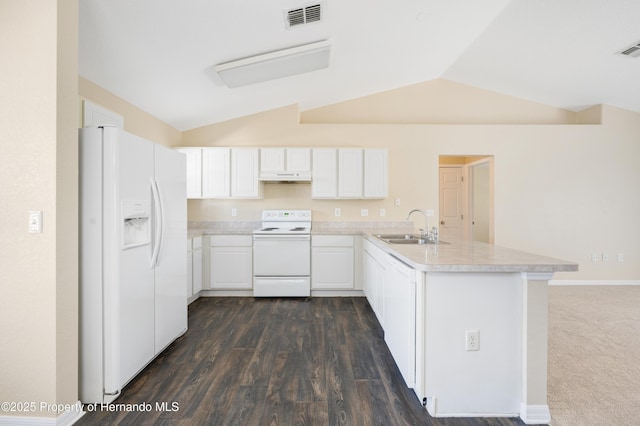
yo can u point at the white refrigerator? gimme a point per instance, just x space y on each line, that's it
133 257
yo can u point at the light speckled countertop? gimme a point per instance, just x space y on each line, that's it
453 257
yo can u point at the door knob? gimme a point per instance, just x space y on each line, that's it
442 222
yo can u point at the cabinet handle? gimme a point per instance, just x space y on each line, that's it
442 222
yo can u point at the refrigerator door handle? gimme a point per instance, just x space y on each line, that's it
159 225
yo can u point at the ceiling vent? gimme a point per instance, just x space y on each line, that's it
633 50
303 15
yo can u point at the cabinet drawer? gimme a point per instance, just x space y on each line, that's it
332 240
231 240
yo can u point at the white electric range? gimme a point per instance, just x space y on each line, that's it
282 254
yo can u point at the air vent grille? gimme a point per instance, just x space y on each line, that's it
633 50
303 15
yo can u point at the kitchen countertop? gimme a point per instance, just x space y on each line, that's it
459 256
474 256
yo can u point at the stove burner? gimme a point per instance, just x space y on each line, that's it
298 228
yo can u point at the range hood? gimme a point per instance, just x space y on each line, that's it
285 176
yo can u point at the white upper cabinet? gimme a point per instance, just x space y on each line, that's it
285 164
272 160
376 173
244 173
194 171
299 160
324 183
216 176
350 174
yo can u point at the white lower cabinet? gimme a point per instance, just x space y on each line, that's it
332 262
400 316
231 262
194 268
197 265
390 288
374 276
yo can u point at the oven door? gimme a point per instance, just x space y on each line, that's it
281 255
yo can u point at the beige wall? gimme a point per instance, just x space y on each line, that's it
38 171
136 121
440 101
560 189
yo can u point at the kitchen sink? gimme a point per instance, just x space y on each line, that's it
406 239
398 236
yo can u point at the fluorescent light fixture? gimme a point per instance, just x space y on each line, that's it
277 64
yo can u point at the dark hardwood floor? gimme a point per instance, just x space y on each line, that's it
246 361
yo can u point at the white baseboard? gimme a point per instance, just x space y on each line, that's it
66 418
594 282
535 414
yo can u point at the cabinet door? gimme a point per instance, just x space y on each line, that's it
215 173
194 171
325 173
332 267
244 173
350 173
375 173
197 270
189 273
231 268
272 159
298 159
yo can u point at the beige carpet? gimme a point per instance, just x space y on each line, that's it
594 355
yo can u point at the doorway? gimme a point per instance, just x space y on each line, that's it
466 198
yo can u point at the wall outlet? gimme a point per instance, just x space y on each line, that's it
396 202
472 340
383 212
620 257
430 213
234 212
337 212
594 257
364 212
605 257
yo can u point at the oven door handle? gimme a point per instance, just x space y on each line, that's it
282 237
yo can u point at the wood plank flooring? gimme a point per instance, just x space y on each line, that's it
246 361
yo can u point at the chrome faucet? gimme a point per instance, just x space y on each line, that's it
423 232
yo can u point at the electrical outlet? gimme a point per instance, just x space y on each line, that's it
594 257
472 340
234 212
620 257
605 257
396 202
383 212
364 212
337 212
430 213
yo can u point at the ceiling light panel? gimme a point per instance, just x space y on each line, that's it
274 65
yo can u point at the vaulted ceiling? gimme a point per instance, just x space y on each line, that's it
160 55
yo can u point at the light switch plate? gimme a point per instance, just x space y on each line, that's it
35 222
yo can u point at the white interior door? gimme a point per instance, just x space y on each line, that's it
481 218
451 204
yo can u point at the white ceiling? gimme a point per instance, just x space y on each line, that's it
159 54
